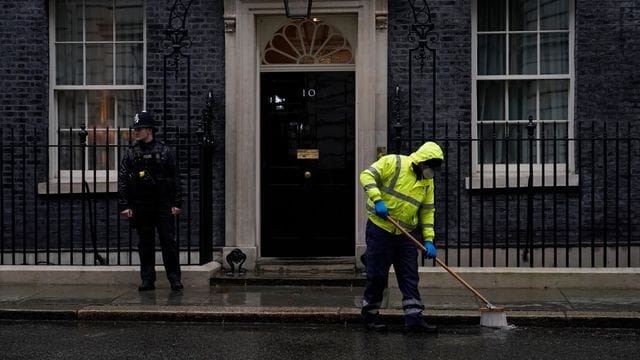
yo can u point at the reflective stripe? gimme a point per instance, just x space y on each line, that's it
390 190
375 173
366 303
425 226
411 302
404 197
412 311
408 227
392 185
412 306
427 206
370 186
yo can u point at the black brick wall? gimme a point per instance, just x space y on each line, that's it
205 56
606 91
24 62
607 58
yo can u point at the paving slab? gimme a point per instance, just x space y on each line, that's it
321 304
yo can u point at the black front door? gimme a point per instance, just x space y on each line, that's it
307 164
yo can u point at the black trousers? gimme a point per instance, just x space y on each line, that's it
148 219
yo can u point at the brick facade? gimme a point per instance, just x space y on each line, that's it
205 57
607 91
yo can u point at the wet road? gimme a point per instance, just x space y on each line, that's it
141 340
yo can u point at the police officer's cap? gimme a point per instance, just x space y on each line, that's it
143 119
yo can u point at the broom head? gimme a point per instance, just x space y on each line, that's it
493 317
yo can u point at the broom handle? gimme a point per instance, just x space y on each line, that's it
418 244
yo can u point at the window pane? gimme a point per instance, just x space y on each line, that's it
491 144
491 15
523 49
523 15
554 15
554 53
129 104
494 148
100 108
70 109
519 145
491 54
555 143
70 150
69 20
129 14
129 64
554 100
98 153
490 100
522 99
69 64
99 24
99 64
125 139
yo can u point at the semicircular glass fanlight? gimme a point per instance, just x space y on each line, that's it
307 42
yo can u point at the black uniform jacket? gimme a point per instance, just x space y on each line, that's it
148 177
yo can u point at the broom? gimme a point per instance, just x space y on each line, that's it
490 315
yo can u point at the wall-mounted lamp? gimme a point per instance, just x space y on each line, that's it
297 9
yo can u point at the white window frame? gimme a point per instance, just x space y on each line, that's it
559 174
70 180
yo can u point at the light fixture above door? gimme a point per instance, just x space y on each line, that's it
297 9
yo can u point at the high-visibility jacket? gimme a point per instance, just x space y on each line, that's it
410 201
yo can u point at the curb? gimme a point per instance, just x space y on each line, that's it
315 315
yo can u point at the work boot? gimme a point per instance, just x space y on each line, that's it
420 327
373 322
146 285
176 285
376 326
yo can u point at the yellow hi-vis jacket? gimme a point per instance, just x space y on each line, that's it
410 201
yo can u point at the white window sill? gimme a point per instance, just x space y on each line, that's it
67 187
550 181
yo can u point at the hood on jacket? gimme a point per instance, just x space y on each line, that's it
429 150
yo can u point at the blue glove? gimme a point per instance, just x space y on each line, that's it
431 250
381 209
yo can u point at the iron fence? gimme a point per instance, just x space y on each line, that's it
512 201
59 203
519 200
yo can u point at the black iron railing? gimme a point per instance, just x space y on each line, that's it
567 205
59 203
570 204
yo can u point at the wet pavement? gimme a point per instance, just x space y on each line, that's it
313 304
162 340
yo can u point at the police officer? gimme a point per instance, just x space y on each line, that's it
401 187
150 195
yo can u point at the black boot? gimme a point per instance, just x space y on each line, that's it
176 285
146 285
421 327
373 323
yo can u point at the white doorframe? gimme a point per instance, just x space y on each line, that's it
242 118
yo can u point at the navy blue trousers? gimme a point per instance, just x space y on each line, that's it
383 250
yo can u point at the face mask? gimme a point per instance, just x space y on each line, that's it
427 172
